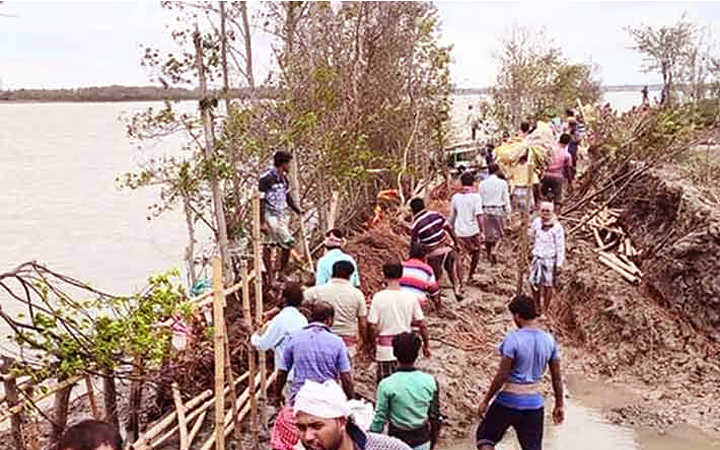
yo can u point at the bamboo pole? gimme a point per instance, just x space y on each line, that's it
524 242
170 418
250 352
257 249
182 422
219 345
196 427
231 382
91 398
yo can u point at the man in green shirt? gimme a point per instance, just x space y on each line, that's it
408 399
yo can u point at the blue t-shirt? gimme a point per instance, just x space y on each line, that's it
531 351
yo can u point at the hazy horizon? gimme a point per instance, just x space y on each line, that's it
43 46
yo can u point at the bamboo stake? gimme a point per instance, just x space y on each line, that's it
33 436
219 345
231 383
91 398
180 408
250 352
196 427
259 307
170 418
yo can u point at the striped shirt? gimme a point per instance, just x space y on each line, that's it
429 228
419 278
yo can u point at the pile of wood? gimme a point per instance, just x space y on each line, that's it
615 249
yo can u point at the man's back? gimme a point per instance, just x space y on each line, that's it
325 265
393 310
314 353
347 301
418 278
429 228
561 160
467 206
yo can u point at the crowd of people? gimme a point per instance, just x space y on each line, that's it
316 358
320 334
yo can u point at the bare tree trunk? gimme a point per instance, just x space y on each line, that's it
248 48
205 106
190 249
223 54
60 414
12 398
132 428
110 397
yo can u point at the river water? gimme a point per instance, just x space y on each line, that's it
62 207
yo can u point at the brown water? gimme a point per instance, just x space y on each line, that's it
585 428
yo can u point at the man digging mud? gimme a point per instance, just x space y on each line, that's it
526 353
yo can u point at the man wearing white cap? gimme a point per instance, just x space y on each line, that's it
324 420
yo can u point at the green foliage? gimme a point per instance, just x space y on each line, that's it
535 81
67 337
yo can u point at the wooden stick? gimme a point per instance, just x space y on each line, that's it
196 427
631 265
182 423
206 299
219 345
628 276
250 351
33 435
170 418
91 398
231 382
599 241
58 387
630 268
259 308
332 215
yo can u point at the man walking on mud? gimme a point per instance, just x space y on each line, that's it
526 354
273 215
466 219
548 255
430 229
496 206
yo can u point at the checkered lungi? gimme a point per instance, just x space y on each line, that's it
519 199
384 369
285 435
542 272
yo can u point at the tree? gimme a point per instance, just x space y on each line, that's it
665 50
535 80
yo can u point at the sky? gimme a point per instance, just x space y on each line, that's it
95 43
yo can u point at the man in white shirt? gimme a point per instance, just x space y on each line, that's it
393 311
466 219
548 254
496 206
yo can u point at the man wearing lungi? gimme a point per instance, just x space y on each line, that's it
496 205
548 254
430 229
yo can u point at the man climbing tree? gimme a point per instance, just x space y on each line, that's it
275 221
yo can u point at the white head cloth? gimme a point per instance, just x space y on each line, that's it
325 400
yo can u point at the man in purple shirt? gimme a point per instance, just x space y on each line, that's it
313 353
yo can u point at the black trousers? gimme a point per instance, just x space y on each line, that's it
528 424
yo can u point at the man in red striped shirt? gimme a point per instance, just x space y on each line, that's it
418 277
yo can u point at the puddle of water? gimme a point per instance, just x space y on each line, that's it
583 428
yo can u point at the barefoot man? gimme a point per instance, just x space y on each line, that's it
548 255
526 354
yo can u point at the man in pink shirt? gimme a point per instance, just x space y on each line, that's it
558 173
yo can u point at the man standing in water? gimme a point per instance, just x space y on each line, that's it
548 255
273 215
526 353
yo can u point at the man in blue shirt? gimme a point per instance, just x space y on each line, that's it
334 242
281 328
314 353
526 353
